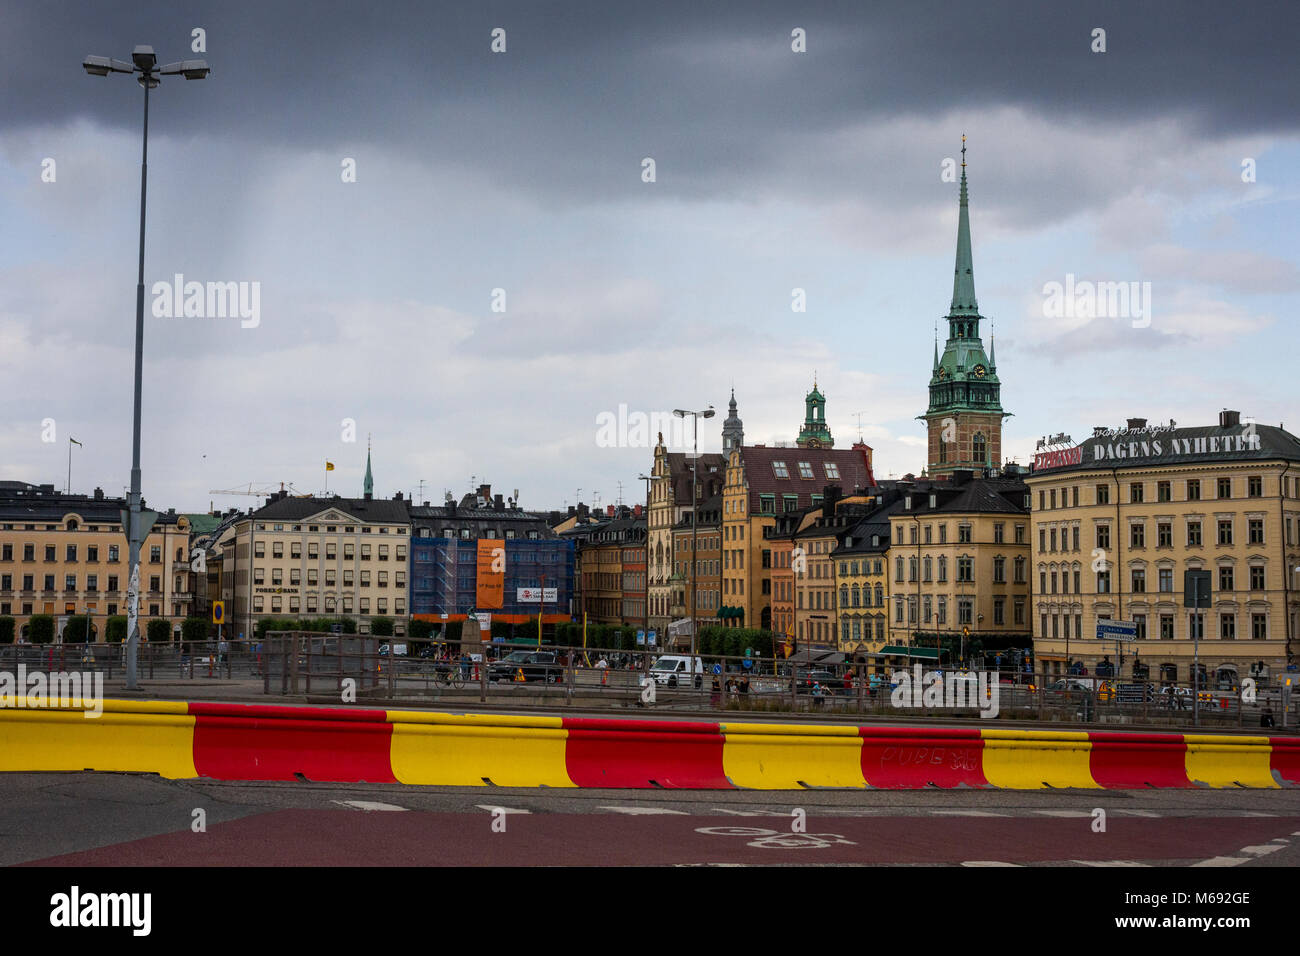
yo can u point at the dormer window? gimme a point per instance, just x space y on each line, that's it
780 470
832 470
805 470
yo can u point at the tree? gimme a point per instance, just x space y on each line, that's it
381 626
194 629
115 629
420 630
158 631
7 627
40 629
79 629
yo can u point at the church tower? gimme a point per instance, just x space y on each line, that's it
815 433
733 429
965 416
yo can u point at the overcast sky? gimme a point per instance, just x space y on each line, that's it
522 171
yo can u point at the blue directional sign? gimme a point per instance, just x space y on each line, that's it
717 668
1117 631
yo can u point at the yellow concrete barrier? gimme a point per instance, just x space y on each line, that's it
1033 760
791 756
1218 760
129 736
462 749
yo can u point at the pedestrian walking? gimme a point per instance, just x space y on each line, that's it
1266 718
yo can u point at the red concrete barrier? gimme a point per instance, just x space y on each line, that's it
1127 761
644 753
911 757
1285 758
256 742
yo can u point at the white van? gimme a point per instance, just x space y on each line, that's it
674 670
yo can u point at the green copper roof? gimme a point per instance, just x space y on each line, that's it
963 275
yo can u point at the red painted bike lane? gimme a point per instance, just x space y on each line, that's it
416 838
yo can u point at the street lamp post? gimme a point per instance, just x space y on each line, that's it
145 63
695 524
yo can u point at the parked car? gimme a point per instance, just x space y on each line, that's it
805 680
676 669
528 666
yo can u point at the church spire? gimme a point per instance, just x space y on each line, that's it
963 278
368 490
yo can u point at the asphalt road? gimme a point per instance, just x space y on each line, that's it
88 820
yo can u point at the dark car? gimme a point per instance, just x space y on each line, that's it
831 684
527 666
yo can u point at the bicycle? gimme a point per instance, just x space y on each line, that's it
449 674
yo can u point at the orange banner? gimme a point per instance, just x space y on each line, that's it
491 581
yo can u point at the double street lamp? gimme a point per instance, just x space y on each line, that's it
695 502
144 63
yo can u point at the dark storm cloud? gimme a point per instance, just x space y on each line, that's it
712 91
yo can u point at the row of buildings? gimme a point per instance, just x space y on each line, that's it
973 557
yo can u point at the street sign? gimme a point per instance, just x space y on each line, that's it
640 637
1117 631
484 620
1196 589
747 663
535 596
218 612
717 668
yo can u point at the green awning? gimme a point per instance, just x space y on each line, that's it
899 650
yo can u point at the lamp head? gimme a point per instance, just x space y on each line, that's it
144 58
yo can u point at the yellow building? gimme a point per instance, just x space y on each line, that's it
1120 519
64 554
959 577
862 564
762 482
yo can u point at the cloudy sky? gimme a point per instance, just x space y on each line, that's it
1170 158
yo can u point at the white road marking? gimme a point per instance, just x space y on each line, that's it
369 805
1260 850
639 811
987 863
1109 863
967 813
1063 813
1223 861
749 813
492 808
1136 813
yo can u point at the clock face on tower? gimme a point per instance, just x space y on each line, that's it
943 373
980 371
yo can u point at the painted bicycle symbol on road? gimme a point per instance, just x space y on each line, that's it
777 839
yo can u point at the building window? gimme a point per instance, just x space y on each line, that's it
1256 531
965 613
999 570
155 554
998 532
1225 579
965 569
1228 627
805 470
963 534
1225 488
1257 578
1164 535
1020 570
1193 489
1225 531
1137 535
1196 626
277 549
1255 486
295 550
1103 537
1163 492
1103 582
1193 534
1166 627
1166 578
943 534
1000 611
1139 581
1259 627
1020 534
1135 492
780 470
1103 494
943 569
259 549
1141 621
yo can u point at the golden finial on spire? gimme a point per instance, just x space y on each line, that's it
963 150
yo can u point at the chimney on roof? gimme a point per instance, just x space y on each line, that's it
1229 418
961 476
609 510
830 495
498 503
1136 424
99 494
636 512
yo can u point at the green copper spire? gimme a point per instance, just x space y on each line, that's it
963 278
368 490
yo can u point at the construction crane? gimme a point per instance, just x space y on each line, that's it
261 489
